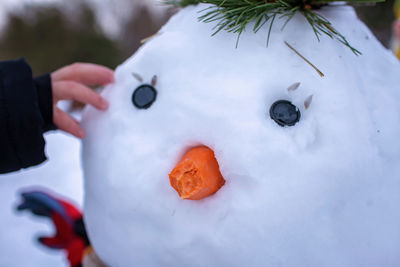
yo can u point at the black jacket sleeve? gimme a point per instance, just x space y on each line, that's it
26 112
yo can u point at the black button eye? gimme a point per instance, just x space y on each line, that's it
144 96
284 113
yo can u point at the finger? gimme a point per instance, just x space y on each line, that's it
75 91
67 124
86 73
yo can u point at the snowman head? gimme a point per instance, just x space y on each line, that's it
297 182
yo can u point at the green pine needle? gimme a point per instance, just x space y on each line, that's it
235 15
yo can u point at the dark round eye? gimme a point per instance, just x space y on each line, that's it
284 113
144 96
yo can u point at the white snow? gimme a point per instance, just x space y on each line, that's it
324 192
18 231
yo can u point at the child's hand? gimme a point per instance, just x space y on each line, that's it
70 83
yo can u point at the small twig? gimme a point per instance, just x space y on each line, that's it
306 60
150 37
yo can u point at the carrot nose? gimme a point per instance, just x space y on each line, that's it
197 175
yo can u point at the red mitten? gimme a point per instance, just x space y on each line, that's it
70 233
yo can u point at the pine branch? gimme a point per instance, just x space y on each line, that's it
235 15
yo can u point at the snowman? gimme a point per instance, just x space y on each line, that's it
217 154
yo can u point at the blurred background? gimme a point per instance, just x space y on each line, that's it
55 33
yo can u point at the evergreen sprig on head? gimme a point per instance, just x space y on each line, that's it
235 15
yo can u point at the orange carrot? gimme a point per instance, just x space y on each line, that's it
197 175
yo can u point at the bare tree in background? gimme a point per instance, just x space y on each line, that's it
51 36
54 35
49 39
379 19
139 27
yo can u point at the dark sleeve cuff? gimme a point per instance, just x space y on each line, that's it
22 122
45 100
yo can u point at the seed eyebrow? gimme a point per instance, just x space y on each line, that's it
308 101
154 80
137 76
294 86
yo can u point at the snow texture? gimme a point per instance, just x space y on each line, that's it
325 192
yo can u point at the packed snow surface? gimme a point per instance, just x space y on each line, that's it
325 192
